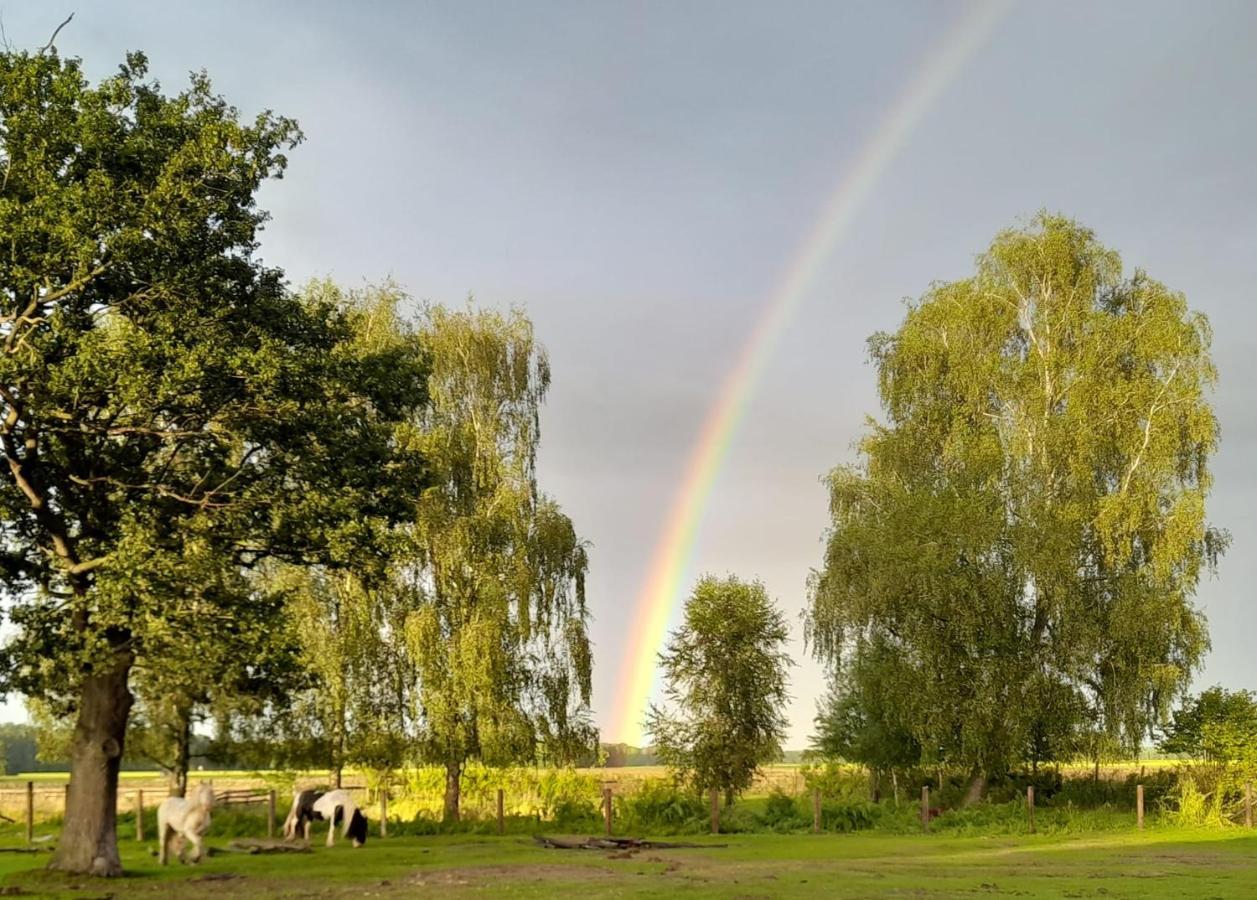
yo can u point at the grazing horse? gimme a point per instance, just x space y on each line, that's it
183 819
336 806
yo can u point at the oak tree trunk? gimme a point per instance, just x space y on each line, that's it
453 787
89 838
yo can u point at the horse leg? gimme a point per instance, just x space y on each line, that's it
163 841
196 842
331 827
306 831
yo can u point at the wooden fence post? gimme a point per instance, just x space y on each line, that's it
1248 804
30 813
270 814
816 810
384 812
1030 805
501 811
139 815
1139 806
925 807
715 812
606 809
66 802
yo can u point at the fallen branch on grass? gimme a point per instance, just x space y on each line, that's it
607 843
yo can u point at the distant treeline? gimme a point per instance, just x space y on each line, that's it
19 752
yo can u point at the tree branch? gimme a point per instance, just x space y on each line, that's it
48 46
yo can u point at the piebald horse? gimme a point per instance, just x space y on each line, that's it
184 819
335 806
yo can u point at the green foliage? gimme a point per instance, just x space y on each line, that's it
857 720
663 805
1217 725
836 781
495 572
19 751
1012 563
169 412
725 676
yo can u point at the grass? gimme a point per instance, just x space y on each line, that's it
1159 862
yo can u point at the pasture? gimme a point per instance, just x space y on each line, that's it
1159 862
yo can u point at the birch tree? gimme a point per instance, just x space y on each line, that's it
1025 530
498 628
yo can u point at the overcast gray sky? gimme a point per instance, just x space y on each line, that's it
638 176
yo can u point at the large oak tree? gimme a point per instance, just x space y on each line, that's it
163 398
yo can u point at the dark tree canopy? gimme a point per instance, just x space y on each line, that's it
167 407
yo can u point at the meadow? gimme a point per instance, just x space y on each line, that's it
1158 862
1084 844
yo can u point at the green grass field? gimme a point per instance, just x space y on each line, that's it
1160 862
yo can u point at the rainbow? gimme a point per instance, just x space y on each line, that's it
662 592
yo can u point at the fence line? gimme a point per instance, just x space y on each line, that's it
134 799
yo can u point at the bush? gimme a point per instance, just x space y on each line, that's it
660 805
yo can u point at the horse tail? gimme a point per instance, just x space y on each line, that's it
357 828
293 821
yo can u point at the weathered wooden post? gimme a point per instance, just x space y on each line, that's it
715 812
139 815
1139 806
501 811
66 801
270 814
606 809
816 811
925 807
1030 805
1248 804
30 813
384 812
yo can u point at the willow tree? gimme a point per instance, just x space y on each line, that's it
497 574
163 397
1024 533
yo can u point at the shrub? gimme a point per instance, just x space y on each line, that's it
662 805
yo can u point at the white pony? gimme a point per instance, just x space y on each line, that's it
184 819
335 806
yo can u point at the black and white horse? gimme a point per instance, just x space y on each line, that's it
336 807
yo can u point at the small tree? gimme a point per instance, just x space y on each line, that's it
725 670
1217 725
857 720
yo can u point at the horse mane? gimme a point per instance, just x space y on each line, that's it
203 797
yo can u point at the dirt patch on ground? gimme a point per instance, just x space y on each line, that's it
479 876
